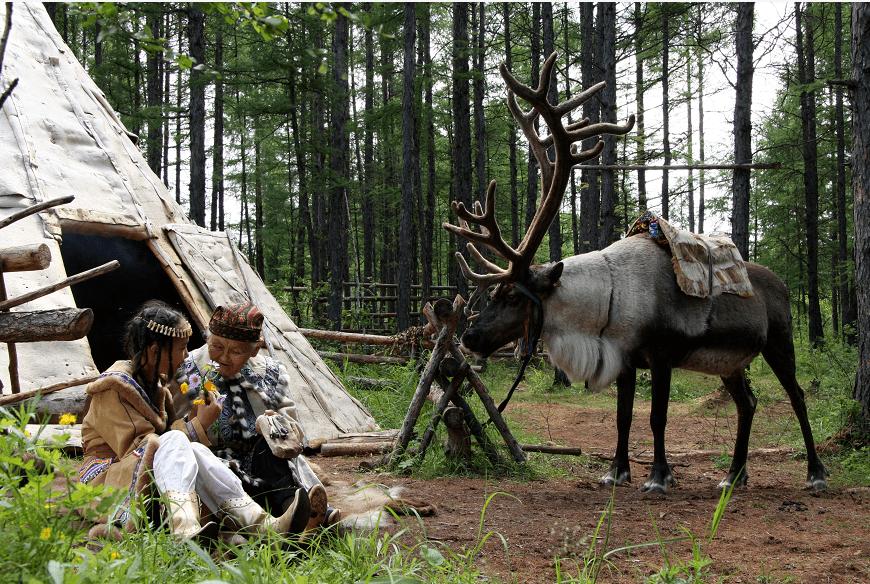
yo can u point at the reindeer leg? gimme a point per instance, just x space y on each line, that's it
738 386
780 357
660 477
620 472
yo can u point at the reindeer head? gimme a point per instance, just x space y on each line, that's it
508 315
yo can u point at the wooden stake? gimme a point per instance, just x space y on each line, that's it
40 292
11 399
35 209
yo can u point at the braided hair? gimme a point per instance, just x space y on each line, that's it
138 336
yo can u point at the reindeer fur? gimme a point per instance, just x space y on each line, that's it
609 312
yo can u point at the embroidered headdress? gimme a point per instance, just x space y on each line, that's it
237 322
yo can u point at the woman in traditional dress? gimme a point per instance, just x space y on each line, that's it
126 442
250 385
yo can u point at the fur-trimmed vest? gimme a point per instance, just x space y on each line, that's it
120 434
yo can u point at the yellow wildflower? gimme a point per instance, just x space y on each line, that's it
114 556
46 533
68 419
184 387
209 386
199 402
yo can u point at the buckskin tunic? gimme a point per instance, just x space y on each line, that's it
120 435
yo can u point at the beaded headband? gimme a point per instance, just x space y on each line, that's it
168 330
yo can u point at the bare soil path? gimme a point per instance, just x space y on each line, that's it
772 531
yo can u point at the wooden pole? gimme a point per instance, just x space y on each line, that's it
40 292
759 166
371 359
10 348
439 410
11 399
445 340
492 410
35 209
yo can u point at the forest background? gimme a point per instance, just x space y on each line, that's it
332 138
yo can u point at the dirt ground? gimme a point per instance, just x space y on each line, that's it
772 531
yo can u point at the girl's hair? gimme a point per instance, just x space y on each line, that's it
140 333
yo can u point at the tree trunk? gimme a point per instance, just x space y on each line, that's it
689 139
196 38
155 97
847 299
701 156
217 174
555 230
639 22
666 112
368 210
575 234
512 135
742 128
532 183
589 196
339 172
403 302
462 121
806 75
259 259
429 217
860 94
607 26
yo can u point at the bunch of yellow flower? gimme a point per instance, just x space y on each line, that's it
67 419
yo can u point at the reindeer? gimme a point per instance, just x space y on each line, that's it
604 314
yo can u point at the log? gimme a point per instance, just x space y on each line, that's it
346 337
25 258
46 290
458 437
11 399
63 324
372 384
551 449
352 449
35 209
371 359
449 367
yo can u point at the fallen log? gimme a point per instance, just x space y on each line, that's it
346 337
63 324
355 449
372 384
552 449
369 359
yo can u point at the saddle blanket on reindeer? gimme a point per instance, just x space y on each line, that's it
705 265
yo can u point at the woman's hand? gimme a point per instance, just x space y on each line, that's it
209 412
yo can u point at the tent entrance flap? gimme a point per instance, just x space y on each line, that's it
114 297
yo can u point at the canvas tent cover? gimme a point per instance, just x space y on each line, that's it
59 136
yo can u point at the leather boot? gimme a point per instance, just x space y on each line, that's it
247 515
317 497
183 511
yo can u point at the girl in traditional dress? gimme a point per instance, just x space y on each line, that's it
126 442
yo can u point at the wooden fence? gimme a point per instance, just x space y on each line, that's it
379 303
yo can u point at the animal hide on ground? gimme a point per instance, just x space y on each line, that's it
366 506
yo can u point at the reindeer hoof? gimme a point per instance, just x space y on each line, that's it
614 477
654 487
733 479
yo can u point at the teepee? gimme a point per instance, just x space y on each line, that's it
59 136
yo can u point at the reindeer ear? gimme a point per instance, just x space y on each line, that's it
548 276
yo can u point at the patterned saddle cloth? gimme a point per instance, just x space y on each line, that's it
705 265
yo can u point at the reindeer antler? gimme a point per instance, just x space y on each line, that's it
554 179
